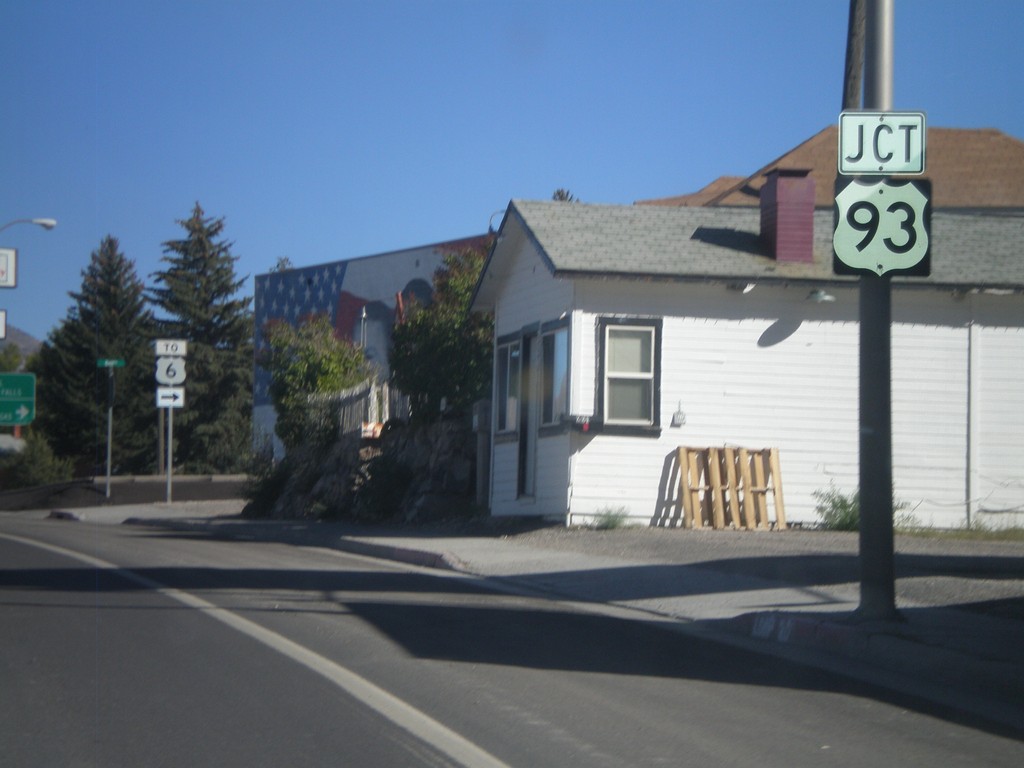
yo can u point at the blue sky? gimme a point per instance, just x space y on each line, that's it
325 130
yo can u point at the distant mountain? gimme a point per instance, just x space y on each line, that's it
26 344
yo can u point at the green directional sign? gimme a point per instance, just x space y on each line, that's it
109 363
17 399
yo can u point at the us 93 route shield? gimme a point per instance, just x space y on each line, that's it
882 225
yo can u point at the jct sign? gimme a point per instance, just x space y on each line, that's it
881 143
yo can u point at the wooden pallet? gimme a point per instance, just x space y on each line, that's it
729 487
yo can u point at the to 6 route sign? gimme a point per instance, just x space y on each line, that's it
882 226
170 371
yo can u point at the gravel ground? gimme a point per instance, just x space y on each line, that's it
985 576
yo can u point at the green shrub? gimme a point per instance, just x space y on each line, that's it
840 511
836 510
609 518
35 464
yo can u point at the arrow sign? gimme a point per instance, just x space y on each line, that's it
170 397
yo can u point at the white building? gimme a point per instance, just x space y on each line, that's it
624 332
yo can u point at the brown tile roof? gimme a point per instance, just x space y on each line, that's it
969 169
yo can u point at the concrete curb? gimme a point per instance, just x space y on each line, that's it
803 631
423 558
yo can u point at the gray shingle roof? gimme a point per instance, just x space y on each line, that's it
968 250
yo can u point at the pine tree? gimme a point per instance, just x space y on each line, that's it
198 296
108 320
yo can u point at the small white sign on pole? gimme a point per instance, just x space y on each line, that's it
170 371
882 227
881 143
170 397
171 348
8 268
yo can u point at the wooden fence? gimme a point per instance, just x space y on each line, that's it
361 409
730 488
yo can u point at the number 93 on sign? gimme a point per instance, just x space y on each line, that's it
882 226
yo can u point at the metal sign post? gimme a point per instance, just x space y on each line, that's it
880 227
110 365
170 450
170 372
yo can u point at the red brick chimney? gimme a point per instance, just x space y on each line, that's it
787 215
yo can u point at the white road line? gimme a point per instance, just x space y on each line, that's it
402 714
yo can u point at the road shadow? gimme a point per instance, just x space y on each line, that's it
456 620
461 621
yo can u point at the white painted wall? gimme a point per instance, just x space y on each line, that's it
528 295
997 467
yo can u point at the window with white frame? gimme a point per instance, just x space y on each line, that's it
555 394
630 375
507 373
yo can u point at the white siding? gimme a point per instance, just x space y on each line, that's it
530 295
998 474
786 378
770 369
929 407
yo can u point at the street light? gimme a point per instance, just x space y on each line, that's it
44 223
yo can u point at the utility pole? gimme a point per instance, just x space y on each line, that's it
878 575
853 75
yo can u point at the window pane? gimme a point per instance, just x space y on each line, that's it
556 375
502 382
629 350
512 401
629 400
560 374
508 386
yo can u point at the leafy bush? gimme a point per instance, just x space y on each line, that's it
839 511
442 352
304 361
34 465
609 519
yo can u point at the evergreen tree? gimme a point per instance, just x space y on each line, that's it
108 320
198 297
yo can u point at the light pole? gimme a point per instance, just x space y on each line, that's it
44 223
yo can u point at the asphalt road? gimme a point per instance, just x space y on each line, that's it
127 646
